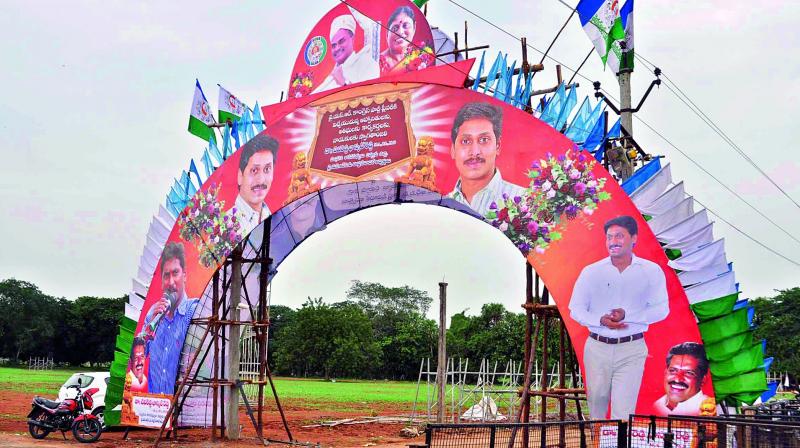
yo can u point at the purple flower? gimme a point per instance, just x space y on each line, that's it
517 199
580 188
533 227
505 196
549 155
493 206
524 247
562 158
591 190
535 165
581 158
572 211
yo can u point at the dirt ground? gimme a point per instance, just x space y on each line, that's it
14 407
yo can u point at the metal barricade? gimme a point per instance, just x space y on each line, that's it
573 434
737 431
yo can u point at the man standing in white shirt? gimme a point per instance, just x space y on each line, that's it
476 136
256 169
351 66
617 298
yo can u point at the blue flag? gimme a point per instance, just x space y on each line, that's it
226 142
502 78
193 170
491 75
566 109
207 165
553 107
578 123
258 121
615 131
595 137
480 73
213 150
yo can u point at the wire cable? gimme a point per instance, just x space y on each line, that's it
691 105
577 72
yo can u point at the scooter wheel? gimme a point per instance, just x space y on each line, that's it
38 432
87 430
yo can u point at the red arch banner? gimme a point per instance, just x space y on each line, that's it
485 158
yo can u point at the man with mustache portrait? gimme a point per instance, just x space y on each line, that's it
476 137
617 299
256 170
137 378
167 321
684 375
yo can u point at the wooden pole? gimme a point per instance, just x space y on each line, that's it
234 331
441 365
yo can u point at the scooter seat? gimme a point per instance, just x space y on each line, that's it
50 404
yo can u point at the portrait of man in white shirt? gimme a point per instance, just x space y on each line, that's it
256 170
684 375
617 298
476 139
352 66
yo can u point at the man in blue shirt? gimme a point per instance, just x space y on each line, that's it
167 322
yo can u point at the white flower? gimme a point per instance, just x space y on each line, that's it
591 184
546 185
551 194
574 174
588 211
539 250
503 227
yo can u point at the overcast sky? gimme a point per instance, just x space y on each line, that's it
96 98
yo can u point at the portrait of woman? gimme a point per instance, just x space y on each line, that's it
402 26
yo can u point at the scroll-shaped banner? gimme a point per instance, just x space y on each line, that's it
624 308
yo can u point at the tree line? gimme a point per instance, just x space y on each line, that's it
75 332
376 332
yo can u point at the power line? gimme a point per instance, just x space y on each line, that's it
732 191
737 195
747 235
691 105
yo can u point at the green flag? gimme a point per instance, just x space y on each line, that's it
755 381
710 309
747 398
715 330
746 360
724 349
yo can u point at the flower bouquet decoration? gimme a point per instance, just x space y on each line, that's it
301 84
213 231
417 57
561 189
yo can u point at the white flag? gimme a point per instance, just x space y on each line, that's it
689 225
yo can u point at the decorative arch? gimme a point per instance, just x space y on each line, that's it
386 142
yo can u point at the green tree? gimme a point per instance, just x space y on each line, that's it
279 317
777 320
28 321
95 326
397 315
327 340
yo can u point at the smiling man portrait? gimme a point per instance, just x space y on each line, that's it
617 299
476 142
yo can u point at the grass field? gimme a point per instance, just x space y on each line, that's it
37 382
47 383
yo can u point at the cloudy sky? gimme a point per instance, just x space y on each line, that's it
97 93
